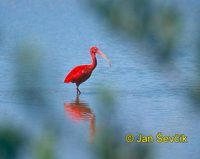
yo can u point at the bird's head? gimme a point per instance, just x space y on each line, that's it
94 50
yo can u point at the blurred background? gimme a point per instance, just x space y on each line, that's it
153 85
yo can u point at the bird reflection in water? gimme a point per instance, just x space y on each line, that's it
80 111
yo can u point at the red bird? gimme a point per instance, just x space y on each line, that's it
81 73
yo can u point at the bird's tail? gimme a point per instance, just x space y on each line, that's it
67 79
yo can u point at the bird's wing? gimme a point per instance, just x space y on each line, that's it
76 73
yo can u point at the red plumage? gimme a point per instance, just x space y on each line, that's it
79 74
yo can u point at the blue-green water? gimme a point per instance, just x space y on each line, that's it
149 99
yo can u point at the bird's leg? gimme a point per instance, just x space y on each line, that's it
78 91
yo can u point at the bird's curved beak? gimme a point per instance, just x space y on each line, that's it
104 56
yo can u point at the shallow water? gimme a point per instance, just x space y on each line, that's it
149 100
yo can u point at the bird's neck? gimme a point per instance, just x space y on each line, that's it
94 61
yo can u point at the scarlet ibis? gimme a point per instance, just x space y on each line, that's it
81 73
